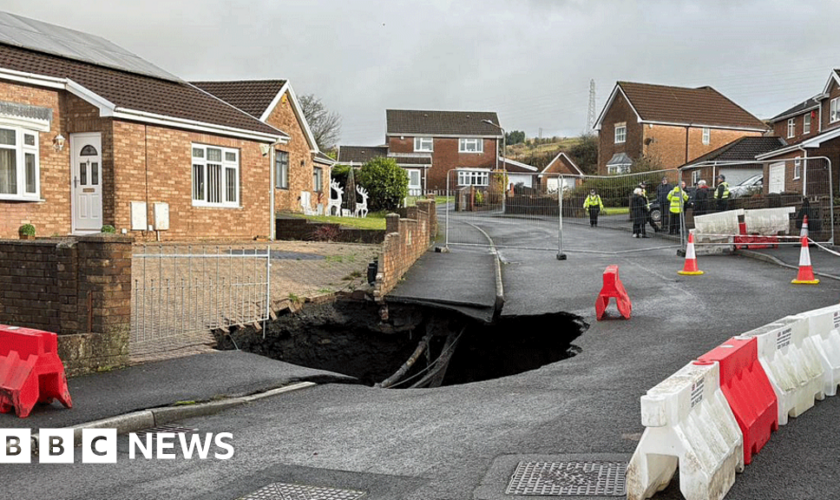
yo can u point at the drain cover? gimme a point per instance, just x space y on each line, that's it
568 479
283 491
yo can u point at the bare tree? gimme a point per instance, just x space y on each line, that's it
325 124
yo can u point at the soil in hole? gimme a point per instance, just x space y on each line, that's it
351 338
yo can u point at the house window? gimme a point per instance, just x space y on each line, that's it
618 169
806 124
281 170
620 132
834 112
473 177
791 127
19 167
797 168
706 136
423 144
215 176
317 179
470 145
695 177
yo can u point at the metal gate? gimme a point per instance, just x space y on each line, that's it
520 210
181 293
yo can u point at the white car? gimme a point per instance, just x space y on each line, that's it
749 187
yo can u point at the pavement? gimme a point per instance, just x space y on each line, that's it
825 264
461 442
203 377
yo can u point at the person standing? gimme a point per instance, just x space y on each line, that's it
662 192
678 198
594 205
639 211
722 194
701 199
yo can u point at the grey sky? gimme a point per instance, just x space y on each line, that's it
528 60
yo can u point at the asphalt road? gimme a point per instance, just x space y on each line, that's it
448 443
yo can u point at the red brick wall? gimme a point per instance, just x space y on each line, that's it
668 144
780 128
561 166
406 241
619 111
446 157
153 164
300 161
833 92
53 214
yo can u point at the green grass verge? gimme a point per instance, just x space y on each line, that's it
439 200
374 220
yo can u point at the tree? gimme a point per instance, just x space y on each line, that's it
325 124
647 163
585 153
386 183
514 137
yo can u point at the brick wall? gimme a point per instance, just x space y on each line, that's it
75 286
300 162
294 228
406 240
668 143
833 92
446 157
619 111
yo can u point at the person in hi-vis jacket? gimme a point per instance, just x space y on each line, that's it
594 205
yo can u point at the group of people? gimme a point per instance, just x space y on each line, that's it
674 197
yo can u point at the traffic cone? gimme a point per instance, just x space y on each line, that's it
806 272
804 231
690 267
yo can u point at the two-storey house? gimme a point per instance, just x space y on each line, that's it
669 126
811 129
430 144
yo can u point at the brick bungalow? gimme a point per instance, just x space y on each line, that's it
669 125
430 144
811 129
299 165
735 160
95 135
561 164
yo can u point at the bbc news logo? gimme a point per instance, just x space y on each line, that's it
99 446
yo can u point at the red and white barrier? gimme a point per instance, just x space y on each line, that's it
792 364
687 422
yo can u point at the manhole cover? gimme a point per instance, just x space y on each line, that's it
172 429
283 491
568 479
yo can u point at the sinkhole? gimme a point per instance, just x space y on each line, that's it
410 346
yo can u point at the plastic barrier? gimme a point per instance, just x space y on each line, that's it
748 391
688 422
768 221
792 363
718 223
612 288
823 325
30 370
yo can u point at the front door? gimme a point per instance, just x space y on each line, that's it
86 182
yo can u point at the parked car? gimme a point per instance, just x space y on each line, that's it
749 187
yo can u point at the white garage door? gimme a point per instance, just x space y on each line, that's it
777 178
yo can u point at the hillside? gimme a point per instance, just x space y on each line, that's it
539 155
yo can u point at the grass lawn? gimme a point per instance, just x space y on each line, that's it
439 200
374 220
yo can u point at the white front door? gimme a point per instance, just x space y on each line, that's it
414 186
86 182
777 178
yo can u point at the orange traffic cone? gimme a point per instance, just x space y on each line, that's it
806 272
690 267
804 231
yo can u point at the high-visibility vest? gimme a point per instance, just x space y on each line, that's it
674 198
593 201
725 190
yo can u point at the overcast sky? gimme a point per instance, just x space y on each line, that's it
529 60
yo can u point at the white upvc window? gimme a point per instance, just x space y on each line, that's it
791 127
471 145
797 168
318 179
473 177
215 176
423 145
834 112
620 132
281 170
695 177
707 136
19 164
618 169
806 124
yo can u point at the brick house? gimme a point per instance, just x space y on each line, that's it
95 135
735 160
430 144
668 125
561 164
299 165
810 129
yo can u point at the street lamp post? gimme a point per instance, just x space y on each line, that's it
504 163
